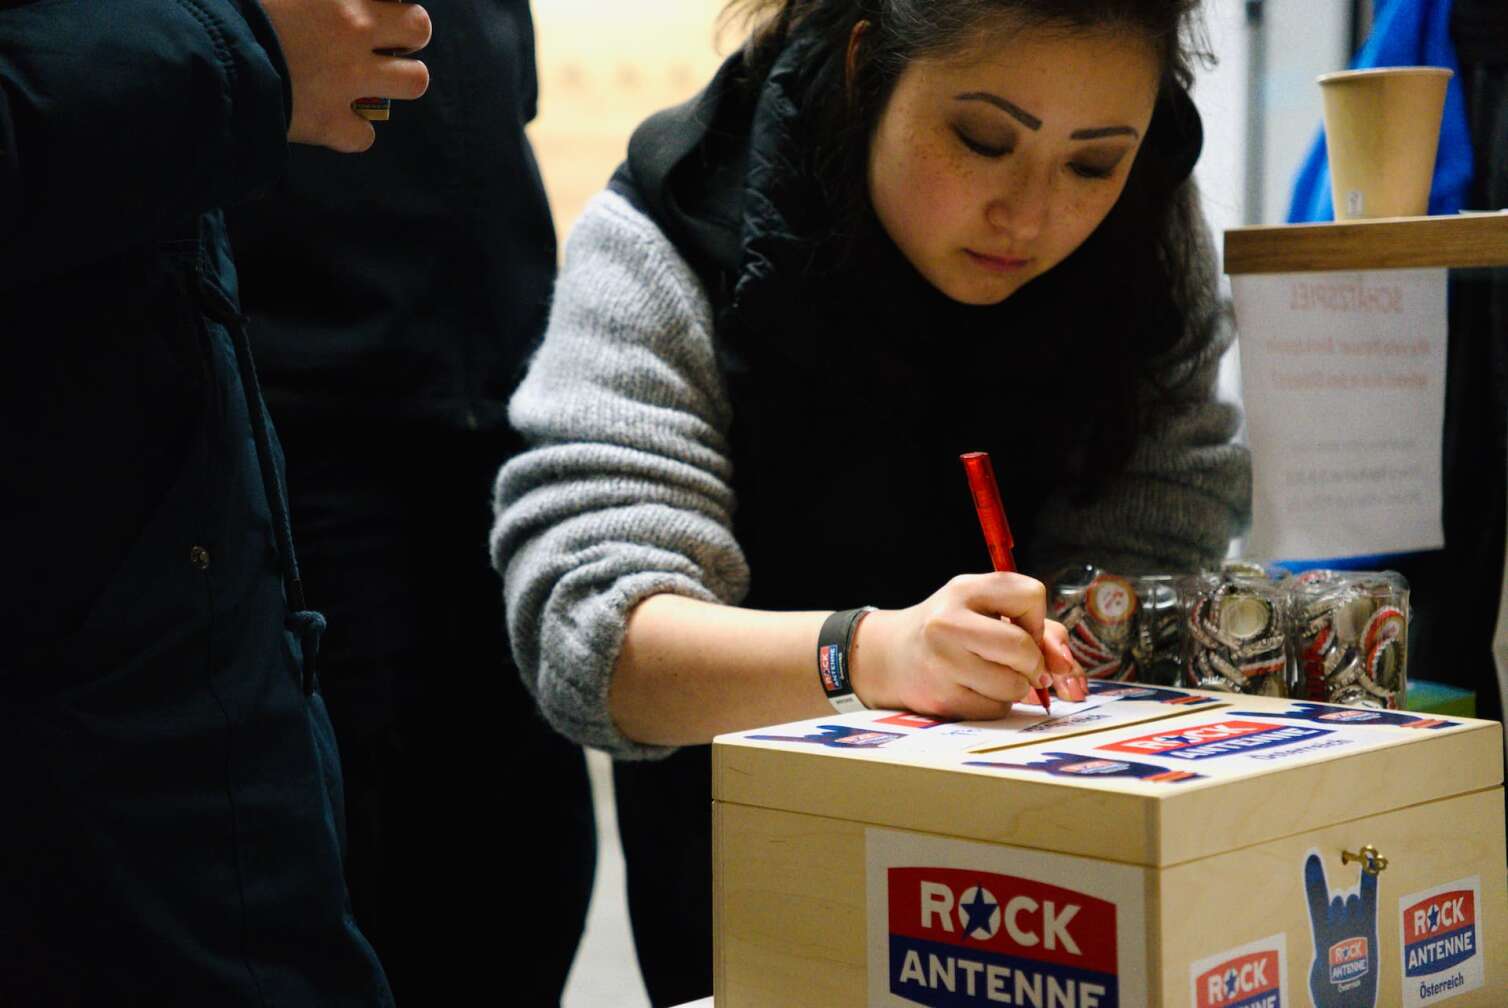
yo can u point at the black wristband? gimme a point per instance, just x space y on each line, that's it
834 645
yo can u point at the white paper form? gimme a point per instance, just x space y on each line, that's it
1343 378
911 737
899 736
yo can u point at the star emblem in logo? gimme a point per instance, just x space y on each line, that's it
1434 917
1232 982
979 913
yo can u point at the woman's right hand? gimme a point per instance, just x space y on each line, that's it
953 656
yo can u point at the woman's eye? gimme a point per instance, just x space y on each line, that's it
1089 171
982 149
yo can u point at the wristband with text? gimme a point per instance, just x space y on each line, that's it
834 648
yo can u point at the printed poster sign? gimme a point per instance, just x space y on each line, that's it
1441 942
957 924
1343 382
1251 976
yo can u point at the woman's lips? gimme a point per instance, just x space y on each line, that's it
997 264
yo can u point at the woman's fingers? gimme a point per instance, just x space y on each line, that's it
1001 683
1067 675
1055 649
1021 599
998 641
979 644
957 702
1070 687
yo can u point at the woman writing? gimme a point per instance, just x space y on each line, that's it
887 232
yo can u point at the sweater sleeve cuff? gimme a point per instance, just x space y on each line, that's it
577 704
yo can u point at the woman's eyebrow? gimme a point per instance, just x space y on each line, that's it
1031 122
1103 131
1015 111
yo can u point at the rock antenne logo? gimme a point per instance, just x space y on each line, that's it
1247 981
1224 738
1442 938
971 938
1349 961
1439 933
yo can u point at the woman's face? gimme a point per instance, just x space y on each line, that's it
991 165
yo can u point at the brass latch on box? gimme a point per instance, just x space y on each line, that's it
1371 862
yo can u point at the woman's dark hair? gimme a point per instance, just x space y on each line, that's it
1128 293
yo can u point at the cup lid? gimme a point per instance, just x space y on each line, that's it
1396 71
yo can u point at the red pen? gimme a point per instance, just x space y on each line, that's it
997 533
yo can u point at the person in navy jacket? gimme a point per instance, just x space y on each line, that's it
172 791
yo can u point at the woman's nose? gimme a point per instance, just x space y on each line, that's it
1021 209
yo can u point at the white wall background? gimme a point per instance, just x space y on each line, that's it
1247 183
1261 111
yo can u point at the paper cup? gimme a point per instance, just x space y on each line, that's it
1382 127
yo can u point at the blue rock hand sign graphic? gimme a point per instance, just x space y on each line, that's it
1344 971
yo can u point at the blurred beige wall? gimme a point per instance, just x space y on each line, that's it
603 66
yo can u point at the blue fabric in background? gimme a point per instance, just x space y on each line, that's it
1404 33
1380 561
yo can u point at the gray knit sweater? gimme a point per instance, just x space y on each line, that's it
626 489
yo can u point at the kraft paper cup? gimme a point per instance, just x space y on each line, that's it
1382 127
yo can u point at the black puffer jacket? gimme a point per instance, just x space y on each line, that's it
172 795
114 272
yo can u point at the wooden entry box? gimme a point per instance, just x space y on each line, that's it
1150 848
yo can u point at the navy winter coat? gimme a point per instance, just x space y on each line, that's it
171 794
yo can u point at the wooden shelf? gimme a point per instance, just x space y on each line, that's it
1388 243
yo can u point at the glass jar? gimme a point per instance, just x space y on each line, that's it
1237 639
1350 633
